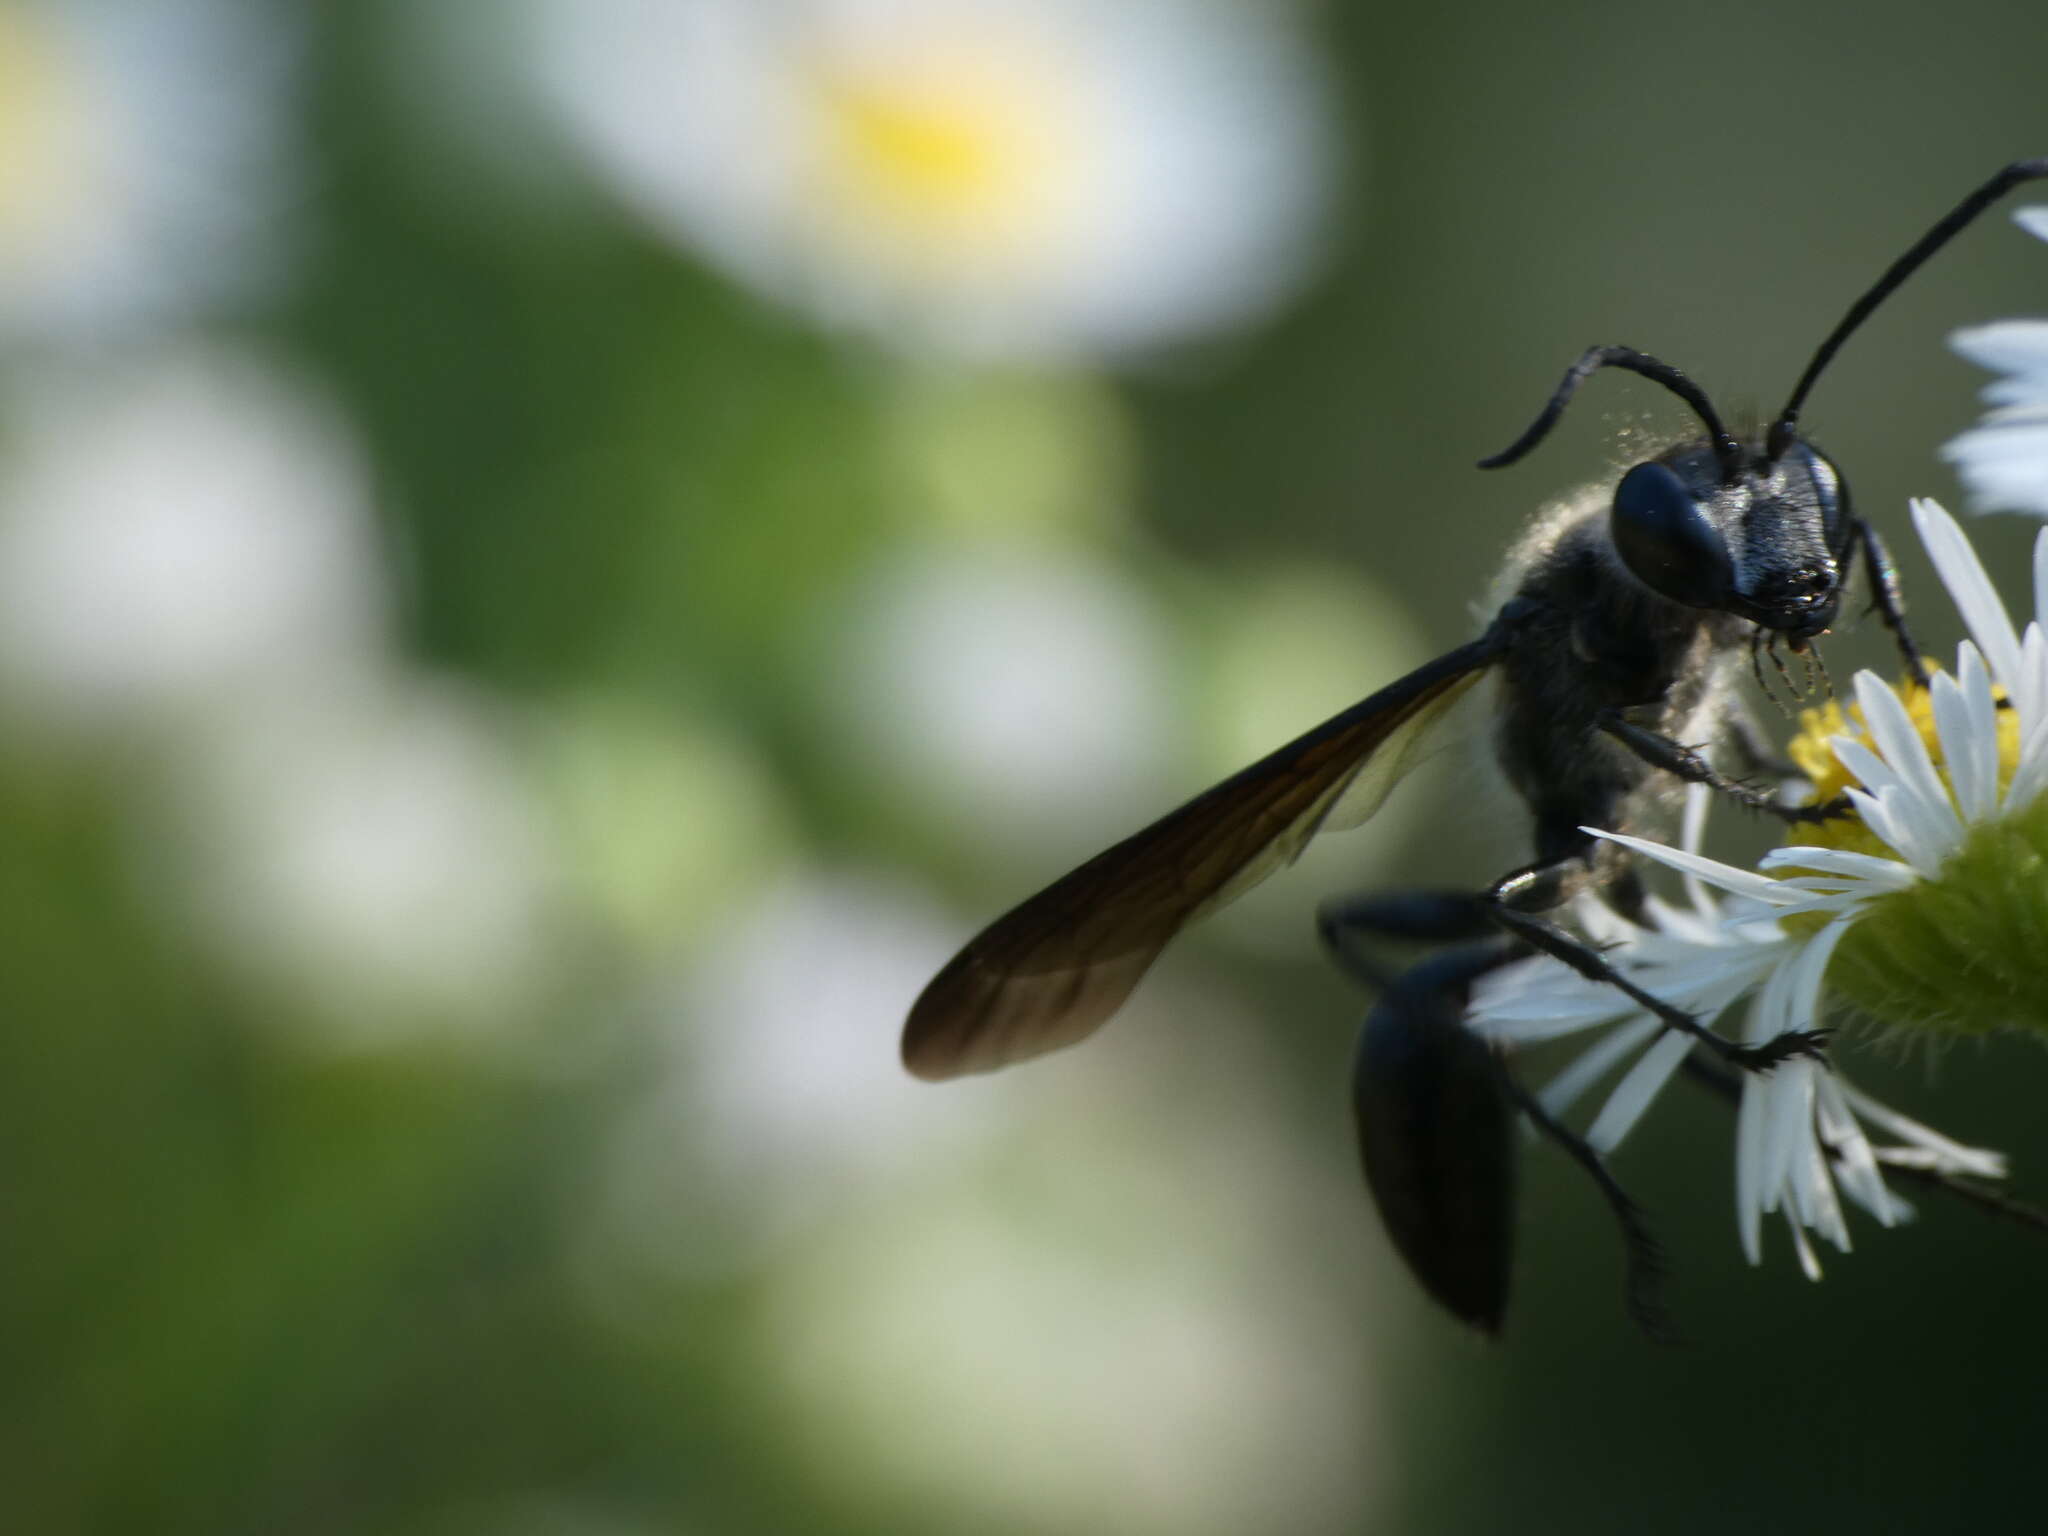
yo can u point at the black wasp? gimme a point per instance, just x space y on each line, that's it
1622 637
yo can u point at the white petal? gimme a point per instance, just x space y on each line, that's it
1632 1095
1855 1164
1864 868
1737 882
1830 902
1809 1261
1899 739
2031 700
1953 1156
1542 999
1500 1024
1692 834
2032 772
2004 461
1601 923
2033 220
1701 925
1788 1126
1814 1194
1966 721
1594 1063
2004 346
2041 577
1868 769
1749 1161
1768 1016
1892 815
1974 595
1806 971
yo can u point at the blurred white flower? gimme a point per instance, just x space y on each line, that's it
1101 1297
2004 459
1139 1310
188 557
376 853
781 1094
994 178
176 534
142 156
1022 692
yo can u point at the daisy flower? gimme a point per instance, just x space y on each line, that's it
2004 459
997 179
1923 910
183 530
144 158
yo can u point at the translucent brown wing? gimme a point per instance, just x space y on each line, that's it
1046 973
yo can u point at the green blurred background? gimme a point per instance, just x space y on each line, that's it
509 697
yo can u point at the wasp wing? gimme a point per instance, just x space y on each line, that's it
1049 971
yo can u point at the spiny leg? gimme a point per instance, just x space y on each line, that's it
1759 754
1686 763
1885 595
1413 917
1646 1267
1516 902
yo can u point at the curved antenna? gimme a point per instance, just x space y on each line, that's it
1726 449
1785 428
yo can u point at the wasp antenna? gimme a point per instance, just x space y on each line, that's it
1594 359
1785 428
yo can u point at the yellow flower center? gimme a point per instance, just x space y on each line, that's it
945 166
35 123
1955 954
1814 754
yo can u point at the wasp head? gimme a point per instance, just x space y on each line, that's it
1762 540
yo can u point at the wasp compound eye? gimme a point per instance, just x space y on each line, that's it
1667 540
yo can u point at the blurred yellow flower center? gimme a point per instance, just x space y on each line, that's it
32 124
947 170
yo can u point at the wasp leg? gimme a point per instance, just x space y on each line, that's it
1513 903
1754 746
1516 902
1415 917
1885 596
1685 763
1646 1268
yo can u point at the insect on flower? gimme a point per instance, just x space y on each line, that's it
1627 616
1923 909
